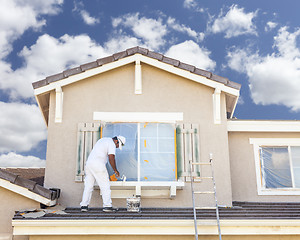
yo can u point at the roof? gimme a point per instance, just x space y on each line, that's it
136 55
129 52
27 188
35 174
239 210
243 218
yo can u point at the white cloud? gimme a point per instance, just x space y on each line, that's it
21 127
151 31
121 42
189 3
46 57
234 23
15 160
192 4
190 52
184 29
273 79
270 25
89 20
17 16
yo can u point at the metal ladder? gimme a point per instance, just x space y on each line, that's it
210 163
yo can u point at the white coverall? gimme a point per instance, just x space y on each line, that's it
95 170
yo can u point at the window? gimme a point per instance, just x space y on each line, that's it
277 166
149 152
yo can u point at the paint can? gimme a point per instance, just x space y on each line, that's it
133 204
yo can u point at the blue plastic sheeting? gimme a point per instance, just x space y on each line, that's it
126 159
276 167
157 150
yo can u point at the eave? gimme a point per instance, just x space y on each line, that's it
155 227
138 56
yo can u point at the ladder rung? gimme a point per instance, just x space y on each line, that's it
201 163
203 177
205 192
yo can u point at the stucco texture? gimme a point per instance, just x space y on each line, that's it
113 91
243 173
11 202
126 237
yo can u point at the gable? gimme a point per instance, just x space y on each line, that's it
138 56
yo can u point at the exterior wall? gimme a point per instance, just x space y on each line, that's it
242 163
113 91
124 237
11 202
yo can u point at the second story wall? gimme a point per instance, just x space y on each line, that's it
113 91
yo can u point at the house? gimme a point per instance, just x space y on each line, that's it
170 113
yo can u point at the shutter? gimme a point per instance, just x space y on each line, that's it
87 135
187 141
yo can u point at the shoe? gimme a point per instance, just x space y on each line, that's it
84 208
110 209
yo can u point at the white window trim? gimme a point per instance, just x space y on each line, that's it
257 142
138 117
162 117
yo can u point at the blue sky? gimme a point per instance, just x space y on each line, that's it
255 43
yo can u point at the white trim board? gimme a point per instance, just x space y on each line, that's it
257 142
143 59
154 227
262 126
26 193
163 117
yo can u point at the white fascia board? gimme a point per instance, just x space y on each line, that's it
154 227
163 117
189 75
141 58
263 126
86 74
26 193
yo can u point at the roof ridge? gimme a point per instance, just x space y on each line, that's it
128 52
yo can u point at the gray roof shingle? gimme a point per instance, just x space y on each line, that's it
239 210
28 184
129 52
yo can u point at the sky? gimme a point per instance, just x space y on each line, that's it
255 43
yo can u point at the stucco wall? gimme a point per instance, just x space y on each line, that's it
182 237
243 175
11 202
114 91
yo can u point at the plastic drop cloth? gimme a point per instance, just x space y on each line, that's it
157 150
276 169
126 159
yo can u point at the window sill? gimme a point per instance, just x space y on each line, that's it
157 189
280 191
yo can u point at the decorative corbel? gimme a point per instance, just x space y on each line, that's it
59 104
217 106
138 77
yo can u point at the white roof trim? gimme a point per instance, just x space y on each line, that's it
26 193
130 59
262 126
154 227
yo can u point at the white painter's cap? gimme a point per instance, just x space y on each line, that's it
122 141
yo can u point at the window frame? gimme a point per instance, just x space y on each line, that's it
273 142
139 151
138 117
